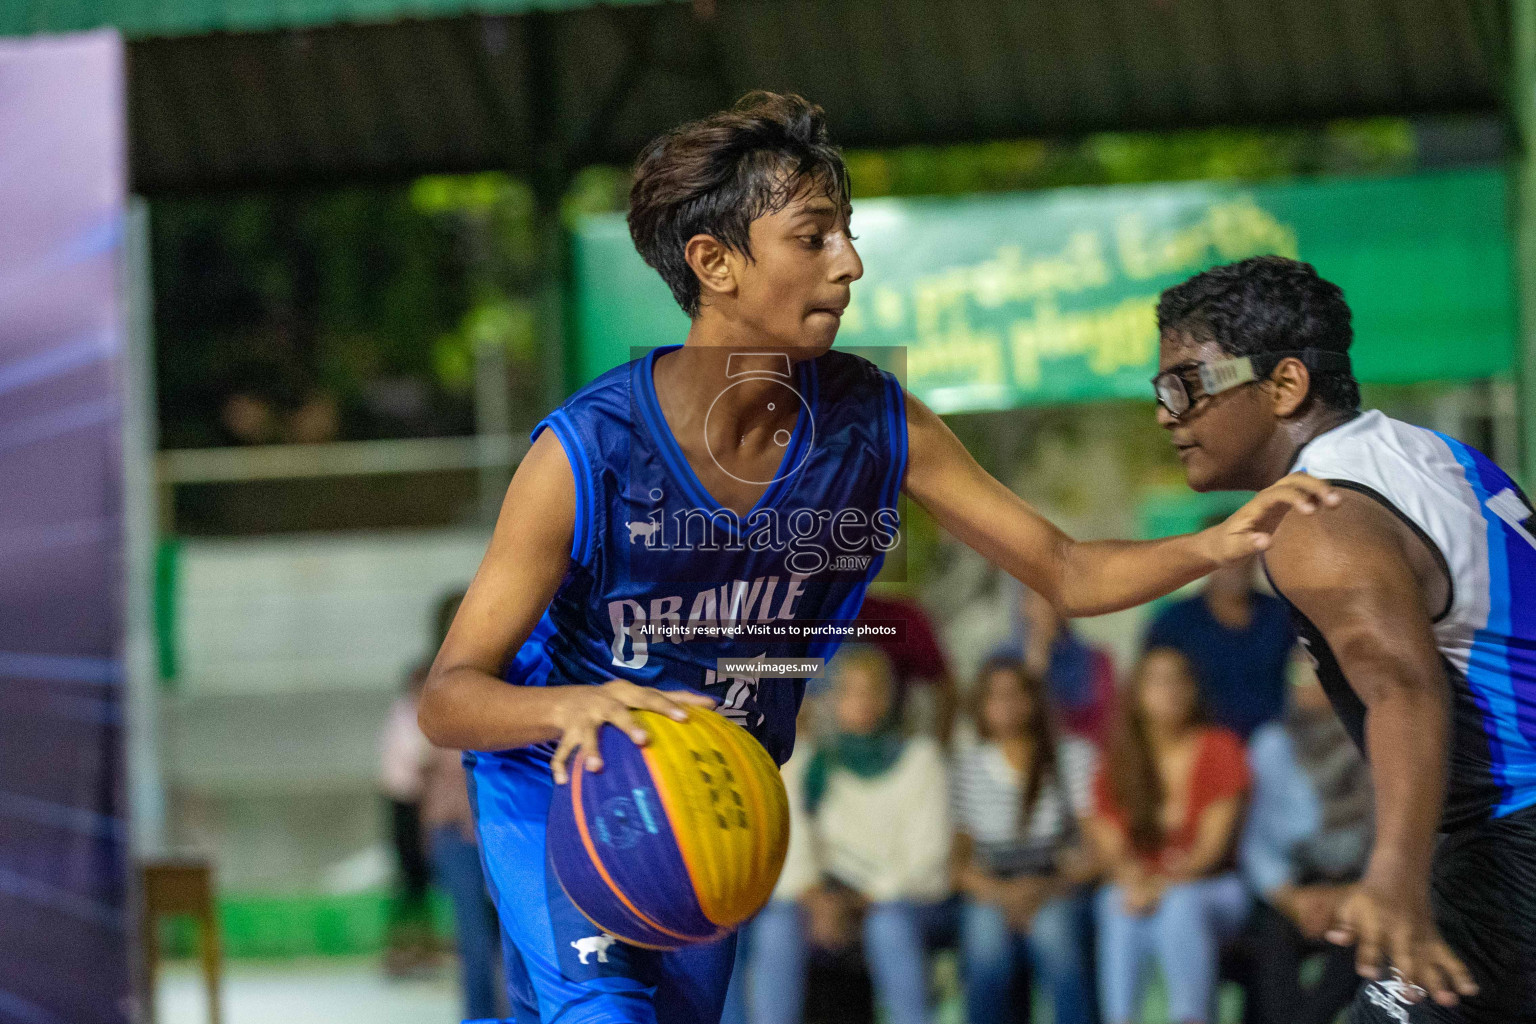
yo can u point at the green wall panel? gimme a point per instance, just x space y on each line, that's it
1033 298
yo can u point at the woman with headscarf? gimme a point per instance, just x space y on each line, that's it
876 811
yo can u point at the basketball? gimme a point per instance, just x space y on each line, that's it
675 842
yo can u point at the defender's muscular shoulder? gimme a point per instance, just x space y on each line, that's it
1360 543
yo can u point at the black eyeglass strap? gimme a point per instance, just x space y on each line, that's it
1316 360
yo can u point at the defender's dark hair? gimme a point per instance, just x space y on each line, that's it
717 175
1267 304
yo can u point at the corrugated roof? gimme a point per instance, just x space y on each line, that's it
138 19
591 84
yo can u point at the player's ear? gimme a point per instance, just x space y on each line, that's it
712 262
1291 383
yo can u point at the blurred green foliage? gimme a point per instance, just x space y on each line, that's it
284 296
1381 145
376 299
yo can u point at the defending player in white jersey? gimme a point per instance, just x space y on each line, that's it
1417 601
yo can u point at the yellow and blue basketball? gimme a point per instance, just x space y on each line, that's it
677 841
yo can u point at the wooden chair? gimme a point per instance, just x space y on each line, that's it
178 887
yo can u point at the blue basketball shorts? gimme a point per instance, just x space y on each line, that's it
560 968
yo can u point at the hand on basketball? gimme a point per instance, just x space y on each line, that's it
1401 931
584 710
1250 529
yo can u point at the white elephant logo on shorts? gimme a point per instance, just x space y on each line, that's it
594 944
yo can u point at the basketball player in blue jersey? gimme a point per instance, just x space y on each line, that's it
1416 598
746 478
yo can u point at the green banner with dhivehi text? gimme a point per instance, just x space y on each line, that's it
1030 298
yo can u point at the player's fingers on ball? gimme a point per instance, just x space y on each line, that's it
702 700
662 703
619 716
559 761
628 694
584 743
646 698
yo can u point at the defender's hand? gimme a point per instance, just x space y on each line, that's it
1400 929
1250 529
583 710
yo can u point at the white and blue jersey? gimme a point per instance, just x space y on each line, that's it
1479 525
657 570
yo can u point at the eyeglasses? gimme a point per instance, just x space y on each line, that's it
1176 386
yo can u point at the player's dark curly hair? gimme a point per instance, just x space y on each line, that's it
1267 304
717 175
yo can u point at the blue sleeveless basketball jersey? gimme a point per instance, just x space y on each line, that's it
655 561
656 565
1479 525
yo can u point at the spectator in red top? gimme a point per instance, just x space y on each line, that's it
915 655
1079 677
1168 803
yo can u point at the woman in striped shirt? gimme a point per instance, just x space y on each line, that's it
1019 859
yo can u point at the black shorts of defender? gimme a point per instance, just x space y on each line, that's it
1483 890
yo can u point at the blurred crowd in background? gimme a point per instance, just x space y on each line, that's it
1063 836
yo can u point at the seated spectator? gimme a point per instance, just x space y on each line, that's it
1169 798
448 826
1239 641
1079 677
768 984
876 807
923 679
403 755
1306 841
1019 794
455 857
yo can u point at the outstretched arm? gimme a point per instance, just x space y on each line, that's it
1078 577
1349 573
